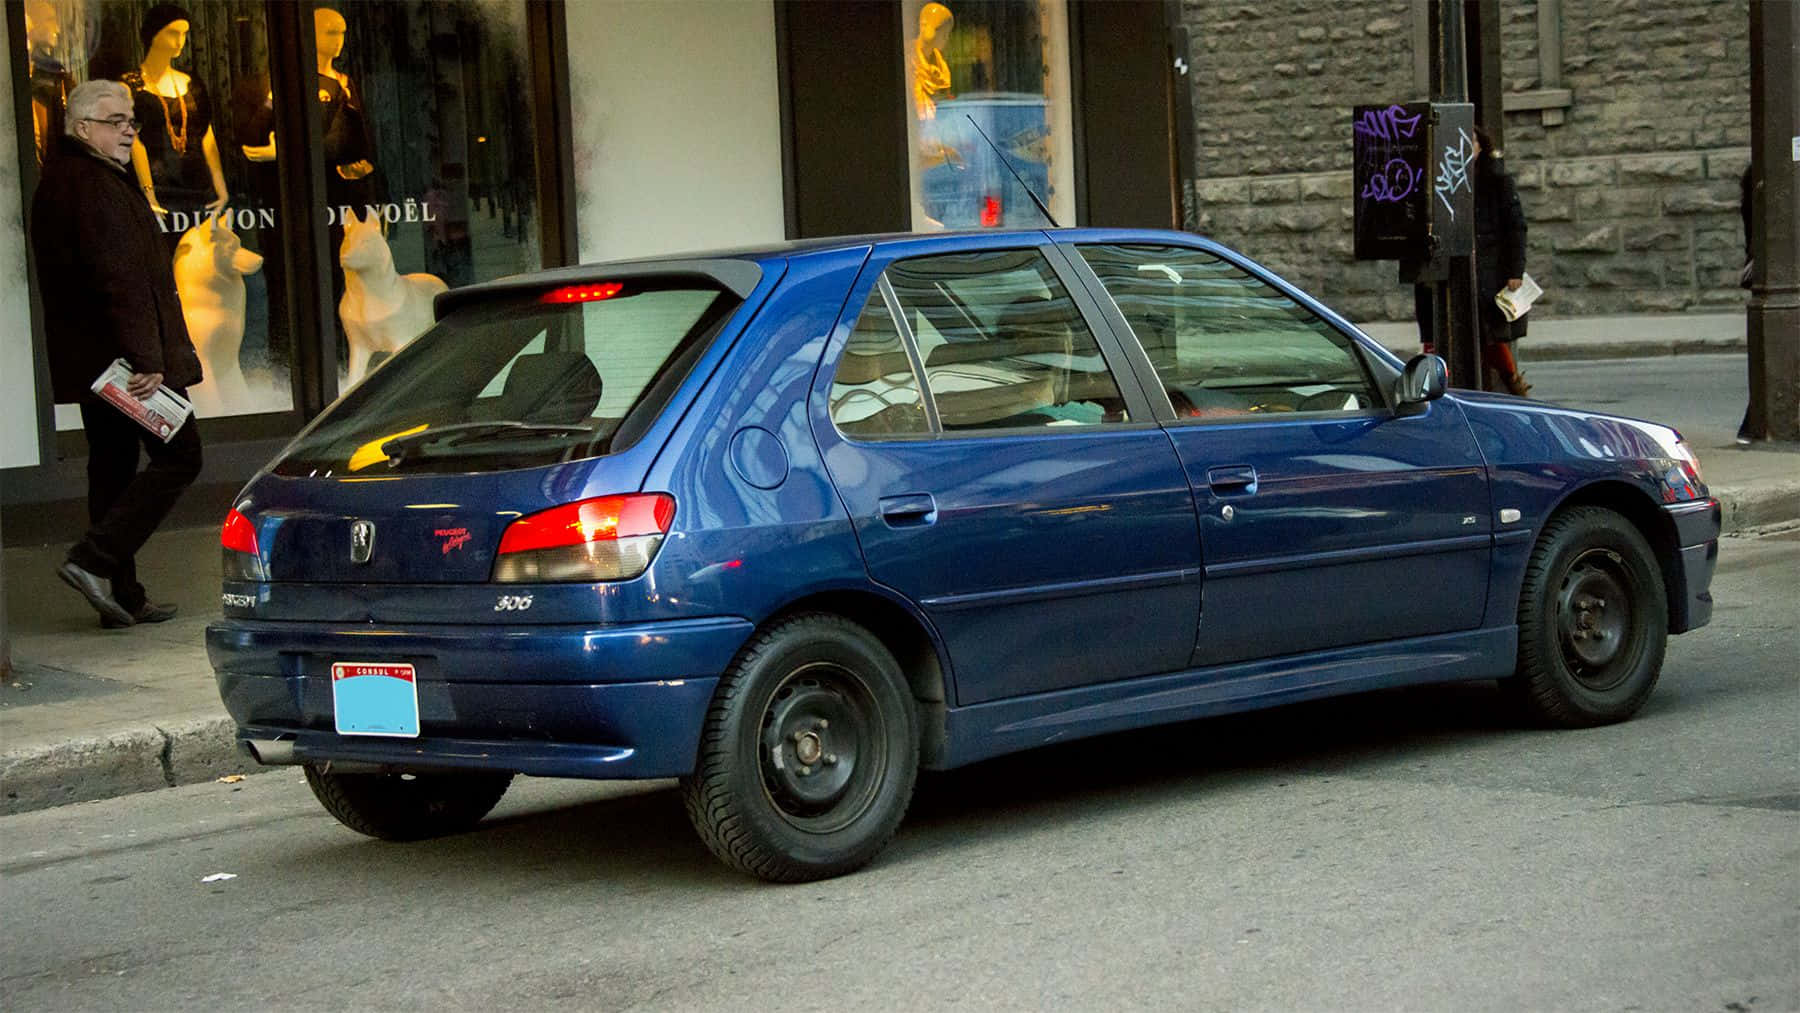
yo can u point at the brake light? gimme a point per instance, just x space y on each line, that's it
238 534
990 212
241 559
583 293
604 538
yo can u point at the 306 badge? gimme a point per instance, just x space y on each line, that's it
513 603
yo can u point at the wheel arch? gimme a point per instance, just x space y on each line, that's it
1651 521
907 637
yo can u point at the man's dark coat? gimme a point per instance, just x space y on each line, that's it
105 272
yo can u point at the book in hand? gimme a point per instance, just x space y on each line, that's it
162 412
1515 304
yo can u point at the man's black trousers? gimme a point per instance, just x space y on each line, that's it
125 505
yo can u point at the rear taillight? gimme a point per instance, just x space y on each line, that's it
241 559
605 538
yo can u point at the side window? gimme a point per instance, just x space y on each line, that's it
1003 344
1223 342
875 391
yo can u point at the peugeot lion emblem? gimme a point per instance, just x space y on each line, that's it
362 540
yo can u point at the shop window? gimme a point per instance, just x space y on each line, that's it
999 67
425 114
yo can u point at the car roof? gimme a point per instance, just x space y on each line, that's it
740 268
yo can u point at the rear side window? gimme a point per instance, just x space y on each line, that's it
1226 343
520 382
1004 345
875 391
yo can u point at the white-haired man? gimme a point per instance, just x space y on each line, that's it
108 291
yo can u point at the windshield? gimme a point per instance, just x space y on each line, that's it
520 382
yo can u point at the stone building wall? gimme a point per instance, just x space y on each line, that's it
1631 197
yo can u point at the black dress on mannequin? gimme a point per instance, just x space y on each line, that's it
172 131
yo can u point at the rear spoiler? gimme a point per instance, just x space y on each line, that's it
738 276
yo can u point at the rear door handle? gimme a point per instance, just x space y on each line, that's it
1232 480
908 510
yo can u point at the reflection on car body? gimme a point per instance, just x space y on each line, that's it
793 523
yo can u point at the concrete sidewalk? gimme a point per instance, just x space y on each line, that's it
96 713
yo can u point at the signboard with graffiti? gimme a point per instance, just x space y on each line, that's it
1412 197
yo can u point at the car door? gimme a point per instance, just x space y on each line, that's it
1021 496
1327 519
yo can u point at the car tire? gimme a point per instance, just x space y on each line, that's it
809 753
1593 621
407 807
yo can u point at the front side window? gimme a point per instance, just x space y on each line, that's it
1004 345
519 382
999 67
1225 343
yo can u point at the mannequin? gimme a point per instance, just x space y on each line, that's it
381 309
350 180
176 157
50 80
931 75
209 276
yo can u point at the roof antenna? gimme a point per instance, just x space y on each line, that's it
1015 173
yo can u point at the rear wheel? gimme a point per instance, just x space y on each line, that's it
407 807
1593 621
809 754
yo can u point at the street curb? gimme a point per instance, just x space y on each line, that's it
106 766
1754 506
1528 352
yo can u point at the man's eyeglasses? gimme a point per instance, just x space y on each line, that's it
115 122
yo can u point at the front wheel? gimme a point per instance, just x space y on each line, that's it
407 807
1593 621
809 753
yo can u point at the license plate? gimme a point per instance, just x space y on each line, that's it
375 698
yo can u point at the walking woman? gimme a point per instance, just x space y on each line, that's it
1499 262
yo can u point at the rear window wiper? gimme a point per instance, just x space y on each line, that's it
400 448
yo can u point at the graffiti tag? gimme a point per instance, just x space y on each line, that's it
1395 182
1388 124
1453 170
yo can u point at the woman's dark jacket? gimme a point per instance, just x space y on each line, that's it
1499 246
104 271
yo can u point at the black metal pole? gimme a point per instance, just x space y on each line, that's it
1453 301
1772 320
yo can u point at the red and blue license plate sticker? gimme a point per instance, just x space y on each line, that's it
375 698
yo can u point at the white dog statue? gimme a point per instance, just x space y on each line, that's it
381 310
210 266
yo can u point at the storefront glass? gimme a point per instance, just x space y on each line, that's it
425 113
994 67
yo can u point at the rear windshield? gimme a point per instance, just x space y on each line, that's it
519 382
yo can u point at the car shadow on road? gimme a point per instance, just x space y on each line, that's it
636 836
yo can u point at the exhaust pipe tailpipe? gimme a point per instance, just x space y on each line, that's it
271 752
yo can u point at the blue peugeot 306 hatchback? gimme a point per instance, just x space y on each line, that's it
791 523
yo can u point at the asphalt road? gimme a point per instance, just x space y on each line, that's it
1408 849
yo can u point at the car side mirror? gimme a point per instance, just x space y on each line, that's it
1424 379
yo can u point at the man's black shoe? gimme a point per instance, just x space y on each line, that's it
151 612
93 588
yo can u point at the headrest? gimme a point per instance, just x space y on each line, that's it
554 387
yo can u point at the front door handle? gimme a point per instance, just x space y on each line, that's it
1232 480
908 510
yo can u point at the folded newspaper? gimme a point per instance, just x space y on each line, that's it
1515 304
162 412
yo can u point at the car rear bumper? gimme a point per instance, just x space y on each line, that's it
554 701
1697 526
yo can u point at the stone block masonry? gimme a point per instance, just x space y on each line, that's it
1632 199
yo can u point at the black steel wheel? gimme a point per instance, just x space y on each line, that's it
809 753
1593 621
407 807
